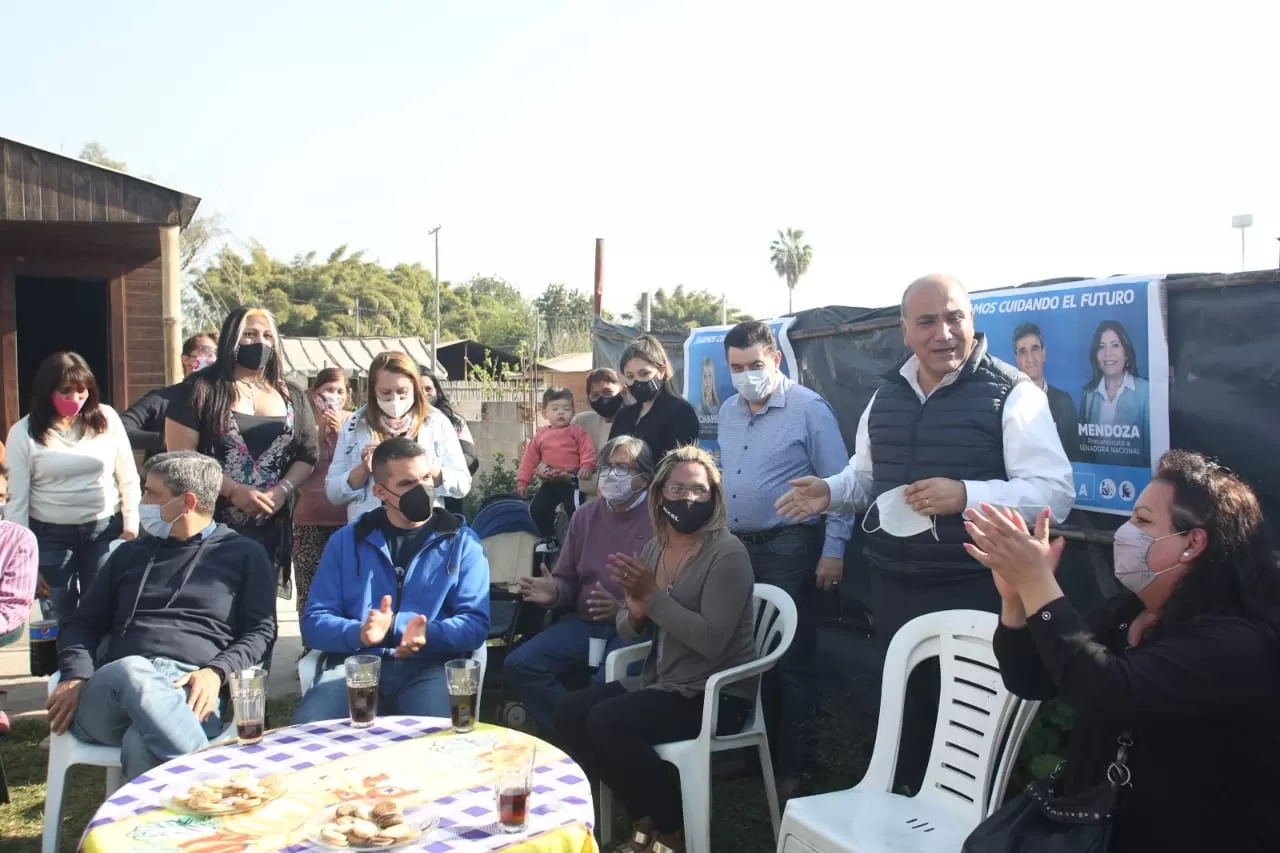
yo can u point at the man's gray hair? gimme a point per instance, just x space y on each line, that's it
635 448
187 471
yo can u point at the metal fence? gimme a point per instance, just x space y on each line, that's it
511 391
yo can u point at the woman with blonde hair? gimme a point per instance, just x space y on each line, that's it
396 407
692 584
261 429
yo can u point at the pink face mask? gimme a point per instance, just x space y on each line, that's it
66 406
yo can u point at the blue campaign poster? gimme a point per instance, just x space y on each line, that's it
706 374
1100 352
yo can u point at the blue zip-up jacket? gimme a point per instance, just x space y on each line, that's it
448 582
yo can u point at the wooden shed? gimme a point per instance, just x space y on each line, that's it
89 261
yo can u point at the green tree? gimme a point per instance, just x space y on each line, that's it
790 256
682 309
96 152
565 317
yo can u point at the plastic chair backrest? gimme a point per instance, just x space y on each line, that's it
775 619
974 710
510 556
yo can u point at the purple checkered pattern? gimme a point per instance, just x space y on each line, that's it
561 793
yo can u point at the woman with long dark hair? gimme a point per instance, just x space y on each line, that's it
262 430
660 417
440 401
1182 667
1117 399
72 478
315 518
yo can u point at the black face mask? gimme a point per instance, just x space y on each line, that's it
643 392
607 407
253 356
687 516
417 503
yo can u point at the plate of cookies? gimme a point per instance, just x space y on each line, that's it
370 825
234 792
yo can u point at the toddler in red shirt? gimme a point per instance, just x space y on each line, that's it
557 455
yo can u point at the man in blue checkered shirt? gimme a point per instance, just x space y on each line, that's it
771 432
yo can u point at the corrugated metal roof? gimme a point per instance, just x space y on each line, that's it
305 357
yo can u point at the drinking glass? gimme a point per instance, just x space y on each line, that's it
249 699
463 679
513 783
363 672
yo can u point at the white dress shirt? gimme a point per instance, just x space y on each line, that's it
1109 404
1039 472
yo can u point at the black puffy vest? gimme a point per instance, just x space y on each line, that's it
956 433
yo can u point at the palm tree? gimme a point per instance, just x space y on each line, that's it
790 257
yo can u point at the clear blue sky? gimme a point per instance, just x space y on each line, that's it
983 139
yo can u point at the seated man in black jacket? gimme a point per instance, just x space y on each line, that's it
167 619
144 420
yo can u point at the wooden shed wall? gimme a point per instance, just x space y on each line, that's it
144 330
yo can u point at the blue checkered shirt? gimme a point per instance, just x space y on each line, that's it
794 435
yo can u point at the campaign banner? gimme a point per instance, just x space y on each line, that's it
707 383
1099 350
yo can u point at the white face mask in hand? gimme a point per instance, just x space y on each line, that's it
898 518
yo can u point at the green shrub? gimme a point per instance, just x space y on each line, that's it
498 480
1045 746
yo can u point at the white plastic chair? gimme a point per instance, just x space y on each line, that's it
66 750
775 628
308 663
974 713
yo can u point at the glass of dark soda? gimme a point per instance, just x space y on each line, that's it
363 672
512 786
463 679
248 689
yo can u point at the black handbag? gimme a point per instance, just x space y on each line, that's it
1040 820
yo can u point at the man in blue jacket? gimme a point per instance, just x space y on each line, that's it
407 582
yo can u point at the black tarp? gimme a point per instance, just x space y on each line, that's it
1224 395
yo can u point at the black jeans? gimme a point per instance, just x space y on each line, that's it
611 733
790 690
543 506
898 597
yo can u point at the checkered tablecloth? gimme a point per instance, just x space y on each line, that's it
416 760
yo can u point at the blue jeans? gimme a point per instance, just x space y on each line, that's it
70 557
411 687
534 667
132 703
789 691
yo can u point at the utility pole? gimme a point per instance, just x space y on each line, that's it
724 308
648 309
599 279
357 316
435 333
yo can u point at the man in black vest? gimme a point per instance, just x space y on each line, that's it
956 427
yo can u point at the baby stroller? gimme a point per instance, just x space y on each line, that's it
513 549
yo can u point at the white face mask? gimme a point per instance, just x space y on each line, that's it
898 518
754 385
396 407
615 488
329 401
1130 552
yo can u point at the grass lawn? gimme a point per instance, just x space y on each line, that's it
740 819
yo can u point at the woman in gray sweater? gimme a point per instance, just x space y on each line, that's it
692 583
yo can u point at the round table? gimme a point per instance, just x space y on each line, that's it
413 759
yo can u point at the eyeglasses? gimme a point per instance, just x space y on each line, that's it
679 492
618 471
205 350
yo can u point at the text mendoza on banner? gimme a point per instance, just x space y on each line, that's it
706 374
1099 351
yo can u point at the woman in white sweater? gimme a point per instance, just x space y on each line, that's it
72 478
397 407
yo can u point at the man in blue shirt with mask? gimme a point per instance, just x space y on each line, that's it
408 582
771 432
